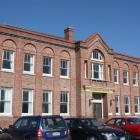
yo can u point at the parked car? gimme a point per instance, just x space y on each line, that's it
39 128
4 135
129 124
93 129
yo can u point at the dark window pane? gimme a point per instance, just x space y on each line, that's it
63 108
6 64
45 108
1 107
25 108
27 67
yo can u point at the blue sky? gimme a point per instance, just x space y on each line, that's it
117 21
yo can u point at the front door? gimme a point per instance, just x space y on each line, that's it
97 110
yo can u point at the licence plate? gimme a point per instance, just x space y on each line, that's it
123 138
56 133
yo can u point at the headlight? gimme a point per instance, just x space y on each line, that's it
109 136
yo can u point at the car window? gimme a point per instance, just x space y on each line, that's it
134 120
120 122
21 123
75 123
53 123
32 122
24 123
68 123
111 122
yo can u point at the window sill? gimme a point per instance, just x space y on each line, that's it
7 70
127 114
43 114
65 115
47 75
26 114
5 115
126 84
64 77
135 85
27 73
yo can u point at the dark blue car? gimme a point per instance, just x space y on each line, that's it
39 128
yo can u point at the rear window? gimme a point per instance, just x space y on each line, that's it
134 120
53 123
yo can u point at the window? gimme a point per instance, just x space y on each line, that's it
64 70
97 65
8 61
5 101
116 76
47 66
86 68
97 71
135 78
27 102
125 77
64 103
96 55
117 104
28 63
127 104
136 104
47 102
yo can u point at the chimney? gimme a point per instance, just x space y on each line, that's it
69 34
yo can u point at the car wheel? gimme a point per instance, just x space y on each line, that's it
92 138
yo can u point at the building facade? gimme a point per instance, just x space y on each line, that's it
45 74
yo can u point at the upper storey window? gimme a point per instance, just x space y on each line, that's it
96 55
28 63
97 65
64 69
8 61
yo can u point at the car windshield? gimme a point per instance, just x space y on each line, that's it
134 120
92 122
53 123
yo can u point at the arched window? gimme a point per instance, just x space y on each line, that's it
97 65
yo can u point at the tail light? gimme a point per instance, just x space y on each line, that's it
69 132
39 134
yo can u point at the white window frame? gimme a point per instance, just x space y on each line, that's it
125 77
31 63
51 66
135 78
128 104
9 94
11 60
67 68
29 102
136 104
49 102
116 76
67 103
86 68
117 104
97 56
100 72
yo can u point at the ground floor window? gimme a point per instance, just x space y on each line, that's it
5 101
47 102
127 104
136 104
117 104
27 102
64 103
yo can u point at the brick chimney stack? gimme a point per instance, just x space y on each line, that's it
69 34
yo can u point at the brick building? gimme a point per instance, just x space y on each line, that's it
45 74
